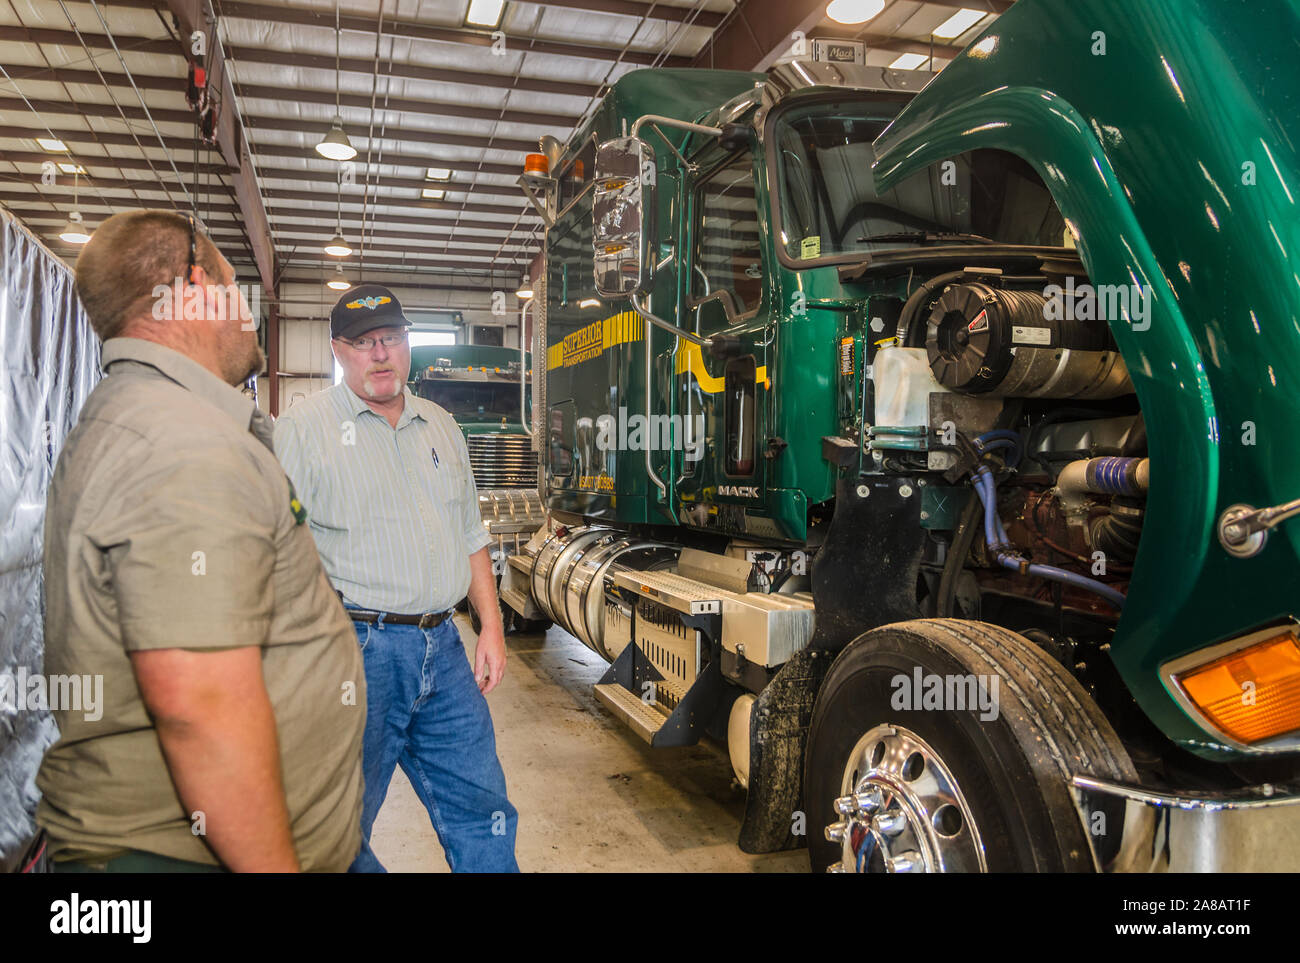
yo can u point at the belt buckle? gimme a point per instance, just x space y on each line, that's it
426 620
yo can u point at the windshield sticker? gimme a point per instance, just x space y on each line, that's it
810 247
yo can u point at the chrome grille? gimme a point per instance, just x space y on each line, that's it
502 461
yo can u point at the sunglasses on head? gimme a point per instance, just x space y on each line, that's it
189 264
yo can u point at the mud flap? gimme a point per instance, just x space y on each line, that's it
865 575
778 732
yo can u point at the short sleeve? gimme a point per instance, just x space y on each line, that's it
476 535
292 455
189 540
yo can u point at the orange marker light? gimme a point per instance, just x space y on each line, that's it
536 164
1252 694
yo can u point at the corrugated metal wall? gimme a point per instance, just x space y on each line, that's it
50 360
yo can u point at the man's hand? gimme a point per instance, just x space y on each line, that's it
490 657
490 653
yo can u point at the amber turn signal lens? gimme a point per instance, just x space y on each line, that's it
1252 694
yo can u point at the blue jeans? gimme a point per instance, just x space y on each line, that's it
425 713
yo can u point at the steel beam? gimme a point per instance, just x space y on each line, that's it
404 105
757 32
232 143
408 71
626 8
417 30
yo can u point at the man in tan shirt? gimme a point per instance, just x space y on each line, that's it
178 569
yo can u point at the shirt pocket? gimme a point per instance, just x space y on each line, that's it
450 480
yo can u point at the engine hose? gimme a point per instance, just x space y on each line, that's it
1117 533
1001 438
955 561
1000 547
1109 475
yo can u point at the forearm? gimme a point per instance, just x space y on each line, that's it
224 759
218 735
483 589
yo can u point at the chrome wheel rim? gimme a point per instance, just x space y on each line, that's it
900 810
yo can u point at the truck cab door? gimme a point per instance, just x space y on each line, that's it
722 473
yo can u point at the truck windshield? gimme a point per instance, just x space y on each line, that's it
830 207
468 401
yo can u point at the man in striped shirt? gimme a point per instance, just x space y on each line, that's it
385 479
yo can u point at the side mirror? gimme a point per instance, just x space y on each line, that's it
622 212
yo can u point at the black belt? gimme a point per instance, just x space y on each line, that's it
426 621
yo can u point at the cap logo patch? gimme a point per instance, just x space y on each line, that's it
369 301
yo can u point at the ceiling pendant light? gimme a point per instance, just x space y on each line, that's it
525 289
338 282
338 247
74 232
853 11
336 145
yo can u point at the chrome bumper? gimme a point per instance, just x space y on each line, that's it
1132 829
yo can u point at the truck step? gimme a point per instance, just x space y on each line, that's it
516 587
644 720
686 595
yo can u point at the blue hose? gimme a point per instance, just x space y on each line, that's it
1006 433
996 537
1000 438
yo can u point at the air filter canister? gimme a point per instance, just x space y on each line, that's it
984 340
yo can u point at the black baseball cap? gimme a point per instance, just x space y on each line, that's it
364 308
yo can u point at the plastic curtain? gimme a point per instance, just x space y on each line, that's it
50 360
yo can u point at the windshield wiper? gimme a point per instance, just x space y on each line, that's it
922 237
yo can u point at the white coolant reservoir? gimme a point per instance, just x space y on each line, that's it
904 383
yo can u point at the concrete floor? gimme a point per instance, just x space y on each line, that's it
592 797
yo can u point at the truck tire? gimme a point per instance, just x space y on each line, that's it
531 626
511 621
905 783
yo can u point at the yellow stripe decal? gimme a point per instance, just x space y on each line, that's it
690 359
591 341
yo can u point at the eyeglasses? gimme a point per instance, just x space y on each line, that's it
189 265
365 344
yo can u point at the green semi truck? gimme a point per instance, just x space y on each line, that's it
486 389
929 440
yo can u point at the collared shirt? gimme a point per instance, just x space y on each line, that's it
394 510
169 525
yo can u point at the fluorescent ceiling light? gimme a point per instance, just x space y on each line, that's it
958 23
336 145
589 303
433 193
338 247
909 61
71 168
74 232
853 11
52 144
439 174
485 13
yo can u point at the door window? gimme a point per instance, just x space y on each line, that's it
728 252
